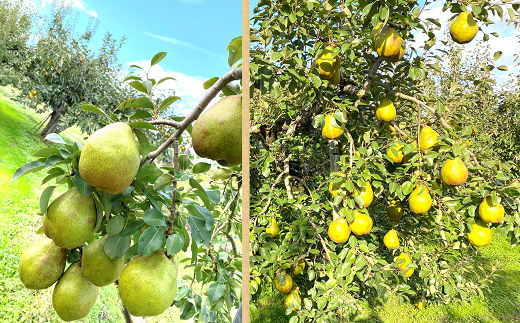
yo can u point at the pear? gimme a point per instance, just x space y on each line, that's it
217 133
70 219
454 172
464 28
420 202
97 267
391 240
490 213
73 295
42 264
336 78
366 194
387 42
328 66
407 261
339 230
110 158
287 283
481 234
273 229
399 148
397 57
148 285
395 210
427 138
329 131
362 223
386 111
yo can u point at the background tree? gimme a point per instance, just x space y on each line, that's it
292 165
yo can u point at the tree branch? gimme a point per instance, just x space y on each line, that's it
171 123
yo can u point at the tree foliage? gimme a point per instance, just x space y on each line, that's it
292 165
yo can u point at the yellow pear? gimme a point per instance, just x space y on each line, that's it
409 272
336 186
407 261
427 138
387 42
293 299
490 213
481 234
386 111
395 158
339 230
362 223
420 303
464 28
329 131
454 172
327 65
283 283
397 57
375 32
420 202
296 270
391 240
395 210
273 229
367 194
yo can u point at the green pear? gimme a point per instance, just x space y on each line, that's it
42 264
73 295
217 133
70 219
148 285
97 267
110 158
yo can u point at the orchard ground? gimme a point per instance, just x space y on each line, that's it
19 203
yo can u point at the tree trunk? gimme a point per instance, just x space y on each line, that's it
52 125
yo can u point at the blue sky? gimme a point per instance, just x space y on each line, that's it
194 33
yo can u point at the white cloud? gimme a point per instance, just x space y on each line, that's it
508 41
80 4
186 44
189 88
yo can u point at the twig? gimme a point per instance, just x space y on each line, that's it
323 243
172 123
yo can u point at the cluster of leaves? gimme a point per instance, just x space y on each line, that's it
202 206
290 161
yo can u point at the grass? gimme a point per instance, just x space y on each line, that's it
499 305
19 222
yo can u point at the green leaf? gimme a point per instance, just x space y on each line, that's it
136 66
30 167
502 68
209 83
201 167
184 162
46 152
154 217
142 102
139 86
315 80
235 50
201 212
165 79
115 225
199 232
54 137
143 142
83 187
142 124
91 108
116 246
151 239
167 102
157 58
135 78
44 199
132 228
174 244
163 181
140 114
497 55
99 213
216 291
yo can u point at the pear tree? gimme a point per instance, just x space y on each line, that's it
369 174
130 217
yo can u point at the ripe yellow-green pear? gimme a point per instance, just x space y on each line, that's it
395 210
110 158
97 267
70 219
73 295
464 28
397 57
391 240
339 230
399 148
217 133
420 202
366 194
296 270
407 261
329 131
362 223
148 285
387 42
273 229
386 111
42 264
286 284
490 213
427 138
481 234
292 300
454 172
327 65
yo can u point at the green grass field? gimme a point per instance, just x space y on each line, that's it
19 203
